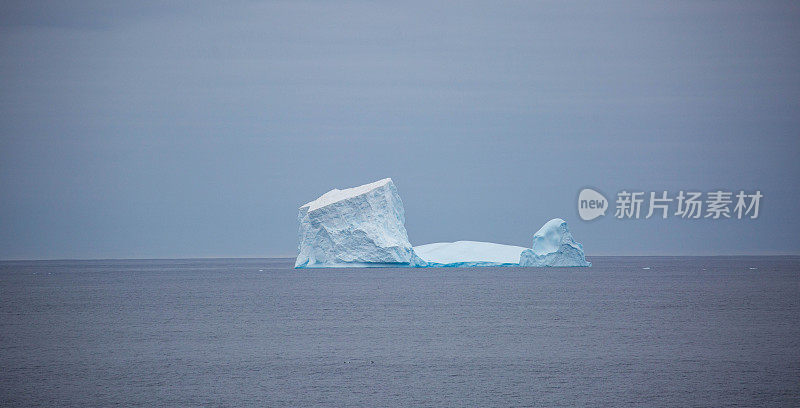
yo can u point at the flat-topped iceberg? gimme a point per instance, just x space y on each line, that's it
365 226
469 253
360 226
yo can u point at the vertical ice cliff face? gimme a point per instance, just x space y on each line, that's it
359 226
553 245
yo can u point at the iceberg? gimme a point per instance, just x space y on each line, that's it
469 253
359 226
364 226
553 245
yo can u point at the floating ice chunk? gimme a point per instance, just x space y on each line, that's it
359 226
553 245
469 253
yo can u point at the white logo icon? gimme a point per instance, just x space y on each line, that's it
591 204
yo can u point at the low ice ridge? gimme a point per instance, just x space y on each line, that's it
469 253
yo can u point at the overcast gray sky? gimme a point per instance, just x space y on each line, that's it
196 129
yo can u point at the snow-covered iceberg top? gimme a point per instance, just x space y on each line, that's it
365 226
337 195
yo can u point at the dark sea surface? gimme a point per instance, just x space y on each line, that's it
717 331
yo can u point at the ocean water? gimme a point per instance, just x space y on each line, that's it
685 332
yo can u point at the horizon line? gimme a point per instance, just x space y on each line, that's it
294 257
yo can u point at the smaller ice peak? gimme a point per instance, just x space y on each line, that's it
548 239
553 245
337 195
